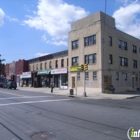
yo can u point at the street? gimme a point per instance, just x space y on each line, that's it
27 115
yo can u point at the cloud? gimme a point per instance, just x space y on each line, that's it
12 19
55 17
40 54
54 41
1 17
128 18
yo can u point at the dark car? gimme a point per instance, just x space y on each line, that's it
10 85
1 85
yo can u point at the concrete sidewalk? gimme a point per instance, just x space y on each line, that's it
90 95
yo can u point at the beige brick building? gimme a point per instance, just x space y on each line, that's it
113 57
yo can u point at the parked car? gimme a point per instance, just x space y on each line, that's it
1 85
10 85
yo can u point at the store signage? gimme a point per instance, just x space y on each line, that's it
76 68
26 75
59 71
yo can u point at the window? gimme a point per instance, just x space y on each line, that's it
134 63
78 75
36 66
74 44
50 64
41 66
125 76
56 64
110 59
122 45
123 61
45 65
90 40
95 75
86 75
134 49
110 41
90 59
62 62
74 61
33 67
117 75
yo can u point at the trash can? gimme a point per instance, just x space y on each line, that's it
71 91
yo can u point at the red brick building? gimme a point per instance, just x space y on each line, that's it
21 66
7 71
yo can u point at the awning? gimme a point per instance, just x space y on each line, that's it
43 72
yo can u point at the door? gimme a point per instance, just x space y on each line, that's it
107 83
73 82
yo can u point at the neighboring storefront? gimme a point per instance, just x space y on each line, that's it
60 78
44 78
25 79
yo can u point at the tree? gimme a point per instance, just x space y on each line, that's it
1 60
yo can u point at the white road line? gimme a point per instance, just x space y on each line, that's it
24 97
31 102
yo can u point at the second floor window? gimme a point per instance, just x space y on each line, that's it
122 45
74 44
45 65
110 59
50 64
110 41
134 49
95 75
41 66
62 62
90 59
134 63
75 61
123 61
36 66
56 64
78 75
90 40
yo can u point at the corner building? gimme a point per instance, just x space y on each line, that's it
113 57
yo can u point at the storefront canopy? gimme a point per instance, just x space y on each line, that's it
43 72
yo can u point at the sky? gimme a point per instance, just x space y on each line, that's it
32 28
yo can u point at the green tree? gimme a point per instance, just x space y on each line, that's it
1 60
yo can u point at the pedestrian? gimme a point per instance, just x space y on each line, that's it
112 89
52 86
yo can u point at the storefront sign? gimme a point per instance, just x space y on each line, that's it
26 75
59 71
43 72
77 68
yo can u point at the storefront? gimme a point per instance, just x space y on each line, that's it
25 79
44 78
60 78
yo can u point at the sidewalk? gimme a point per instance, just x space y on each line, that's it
91 95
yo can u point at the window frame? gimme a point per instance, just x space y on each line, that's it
76 61
74 44
94 75
86 75
134 48
122 45
123 61
90 40
88 60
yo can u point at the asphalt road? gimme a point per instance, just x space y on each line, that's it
28 115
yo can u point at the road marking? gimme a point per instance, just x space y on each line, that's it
31 102
24 97
12 93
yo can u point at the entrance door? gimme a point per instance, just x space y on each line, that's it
133 82
73 82
107 83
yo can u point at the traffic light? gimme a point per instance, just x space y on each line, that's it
85 67
82 67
